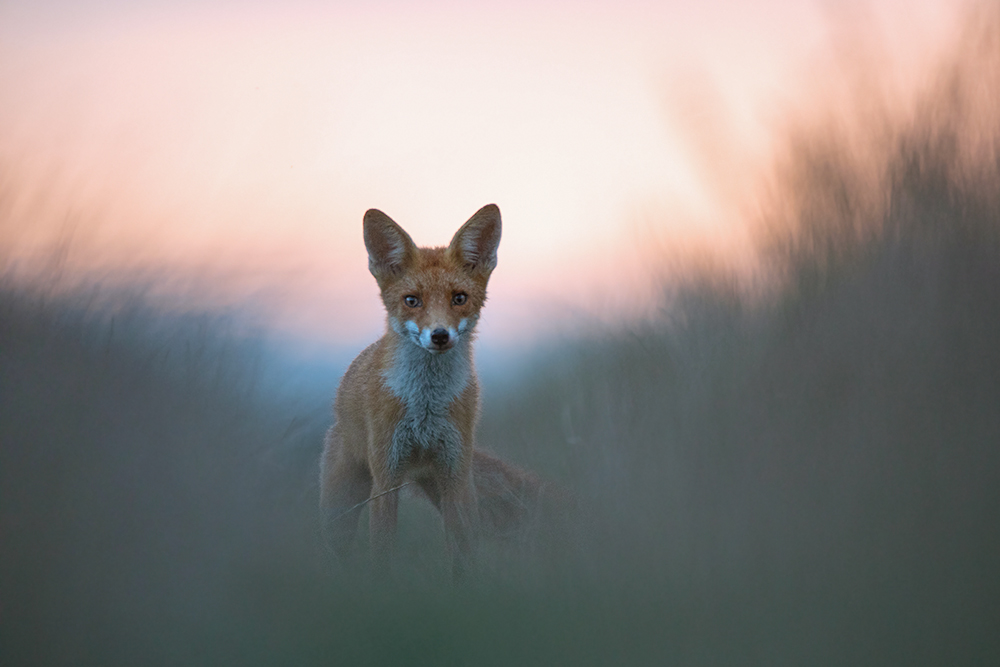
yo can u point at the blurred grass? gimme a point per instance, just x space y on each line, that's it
137 467
813 465
804 474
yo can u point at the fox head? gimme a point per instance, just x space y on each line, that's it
433 295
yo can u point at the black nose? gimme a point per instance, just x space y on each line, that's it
439 337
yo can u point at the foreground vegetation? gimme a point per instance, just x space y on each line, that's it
805 473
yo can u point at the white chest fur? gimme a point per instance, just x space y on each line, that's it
427 384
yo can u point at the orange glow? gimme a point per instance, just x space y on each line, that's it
248 142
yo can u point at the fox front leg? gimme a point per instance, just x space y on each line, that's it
459 511
382 528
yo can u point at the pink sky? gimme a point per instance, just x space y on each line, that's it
247 139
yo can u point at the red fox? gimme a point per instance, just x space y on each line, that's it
407 407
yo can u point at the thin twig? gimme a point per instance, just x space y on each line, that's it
368 500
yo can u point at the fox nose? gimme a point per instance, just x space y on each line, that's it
439 337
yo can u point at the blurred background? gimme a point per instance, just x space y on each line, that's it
746 314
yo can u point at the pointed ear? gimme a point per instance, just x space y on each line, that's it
390 249
475 244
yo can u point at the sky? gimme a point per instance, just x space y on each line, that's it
231 148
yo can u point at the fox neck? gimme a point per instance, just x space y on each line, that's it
427 384
420 378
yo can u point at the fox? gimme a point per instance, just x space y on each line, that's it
407 407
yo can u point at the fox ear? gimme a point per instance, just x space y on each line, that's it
390 248
475 244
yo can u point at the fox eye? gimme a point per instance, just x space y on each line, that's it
411 301
459 299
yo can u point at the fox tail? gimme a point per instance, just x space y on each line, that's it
513 502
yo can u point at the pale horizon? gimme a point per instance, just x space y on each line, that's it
241 145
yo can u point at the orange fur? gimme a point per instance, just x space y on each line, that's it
407 407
